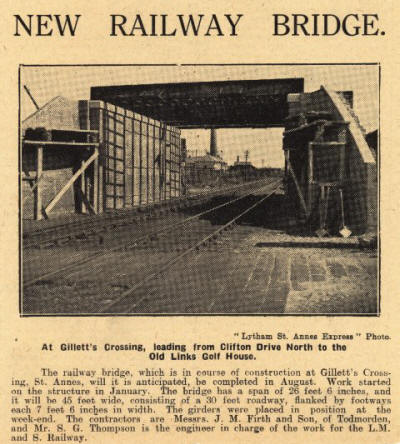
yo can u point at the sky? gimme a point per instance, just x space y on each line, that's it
264 145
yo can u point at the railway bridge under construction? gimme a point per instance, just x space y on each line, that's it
118 159
124 145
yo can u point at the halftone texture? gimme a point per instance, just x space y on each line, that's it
232 275
75 81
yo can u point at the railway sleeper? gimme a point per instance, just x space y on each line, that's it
47 244
62 241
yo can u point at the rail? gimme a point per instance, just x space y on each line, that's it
145 237
115 306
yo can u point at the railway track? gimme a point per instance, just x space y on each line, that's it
129 299
147 236
173 244
94 226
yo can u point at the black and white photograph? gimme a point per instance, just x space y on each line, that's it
247 189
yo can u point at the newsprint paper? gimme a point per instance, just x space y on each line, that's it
199 222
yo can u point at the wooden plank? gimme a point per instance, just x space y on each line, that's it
124 155
342 137
114 153
326 144
95 184
107 160
315 123
135 145
82 185
299 192
85 178
342 164
157 164
310 177
139 163
163 161
78 131
153 164
180 170
103 159
77 174
128 160
74 132
37 193
146 161
131 187
67 144
106 153
168 164
31 97
85 200
95 124
304 127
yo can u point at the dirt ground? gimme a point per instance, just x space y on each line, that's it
249 270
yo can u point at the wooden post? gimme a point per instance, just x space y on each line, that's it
82 187
321 206
154 163
37 205
310 177
342 138
76 186
92 171
286 182
162 161
296 183
85 182
113 154
141 162
342 165
95 183
102 156
125 147
147 162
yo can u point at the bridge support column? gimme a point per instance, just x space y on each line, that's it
213 142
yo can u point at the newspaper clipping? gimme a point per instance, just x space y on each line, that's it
199 227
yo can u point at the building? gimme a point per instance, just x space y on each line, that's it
242 166
207 161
